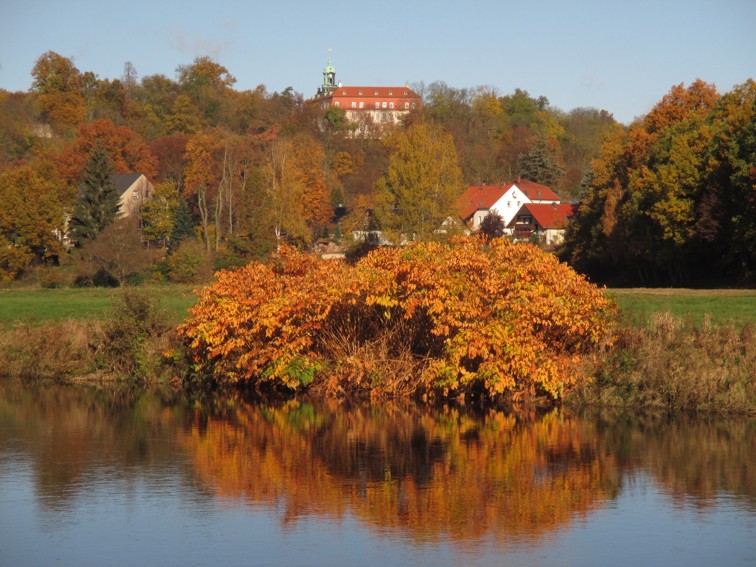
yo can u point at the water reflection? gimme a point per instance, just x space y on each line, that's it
413 473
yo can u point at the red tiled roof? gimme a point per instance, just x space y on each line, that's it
371 92
547 215
479 197
485 196
537 192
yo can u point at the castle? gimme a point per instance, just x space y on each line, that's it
366 106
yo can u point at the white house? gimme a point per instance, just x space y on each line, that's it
547 221
505 199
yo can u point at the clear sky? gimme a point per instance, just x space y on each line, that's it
621 56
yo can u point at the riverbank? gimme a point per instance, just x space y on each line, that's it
659 361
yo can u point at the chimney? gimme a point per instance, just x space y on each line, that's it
519 179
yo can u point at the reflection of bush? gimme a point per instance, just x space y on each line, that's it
431 474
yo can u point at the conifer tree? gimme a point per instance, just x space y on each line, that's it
98 202
183 224
541 164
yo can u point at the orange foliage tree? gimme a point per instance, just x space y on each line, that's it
128 151
436 319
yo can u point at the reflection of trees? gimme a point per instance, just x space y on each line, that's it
694 459
72 432
427 472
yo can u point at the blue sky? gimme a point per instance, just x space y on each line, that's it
621 56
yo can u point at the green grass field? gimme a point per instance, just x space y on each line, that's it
39 305
722 306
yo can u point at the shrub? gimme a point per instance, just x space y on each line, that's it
135 336
439 319
189 263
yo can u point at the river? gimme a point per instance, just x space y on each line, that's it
94 477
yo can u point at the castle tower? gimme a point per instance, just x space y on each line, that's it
329 77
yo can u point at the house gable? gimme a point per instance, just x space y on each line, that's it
134 189
547 220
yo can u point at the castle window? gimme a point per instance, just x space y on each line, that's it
391 94
360 92
377 104
383 104
405 93
343 92
354 104
413 105
336 104
391 105
362 104
375 93
406 105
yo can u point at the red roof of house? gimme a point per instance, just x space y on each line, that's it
485 196
547 215
536 192
371 92
479 197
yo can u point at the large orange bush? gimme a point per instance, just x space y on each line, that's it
438 319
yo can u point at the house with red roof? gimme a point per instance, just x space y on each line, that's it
505 199
547 221
368 105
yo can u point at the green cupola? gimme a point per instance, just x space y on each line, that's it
329 78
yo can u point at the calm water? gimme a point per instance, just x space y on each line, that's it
89 478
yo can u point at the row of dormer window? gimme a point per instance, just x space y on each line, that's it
378 105
375 93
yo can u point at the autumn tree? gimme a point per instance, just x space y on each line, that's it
127 151
97 206
31 219
206 83
159 212
57 87
665 195
215 176
117 250
284 194
421 184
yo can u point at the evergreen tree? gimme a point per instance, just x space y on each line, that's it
98 202
183 224
541 164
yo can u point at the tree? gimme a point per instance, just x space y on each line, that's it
541 163
159 212
284 194
117 250
31 219
492 226
127 151
661 202
98 202
182 225
421 184
57 86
